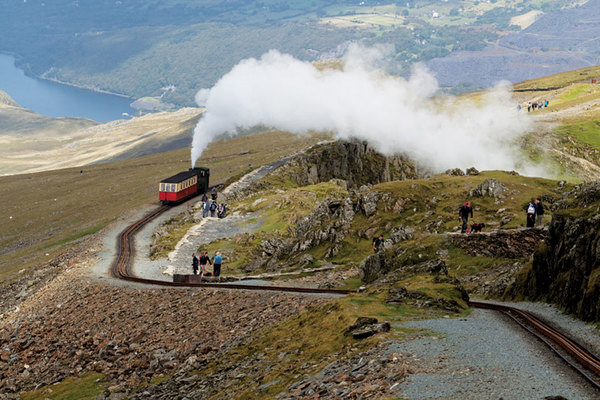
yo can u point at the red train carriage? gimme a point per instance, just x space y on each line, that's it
183 185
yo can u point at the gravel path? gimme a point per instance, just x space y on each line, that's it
587 335
485 356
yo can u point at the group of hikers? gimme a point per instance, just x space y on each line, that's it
534 211
205 265
532 106
210 207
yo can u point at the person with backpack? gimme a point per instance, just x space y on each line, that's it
217 261
213 209
377 242
463 215
213 194
205 208
531 211
539 208
195 264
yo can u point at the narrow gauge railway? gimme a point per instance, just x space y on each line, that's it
575 355
586 364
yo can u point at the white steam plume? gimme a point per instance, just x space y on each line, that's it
394 115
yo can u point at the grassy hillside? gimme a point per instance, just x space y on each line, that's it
566 133
46 211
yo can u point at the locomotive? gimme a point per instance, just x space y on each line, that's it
183 185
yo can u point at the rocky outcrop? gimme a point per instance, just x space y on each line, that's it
354 162
566 268
489 188
387 267
512 244
328 223
365 327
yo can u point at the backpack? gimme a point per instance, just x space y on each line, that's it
213 207
531 209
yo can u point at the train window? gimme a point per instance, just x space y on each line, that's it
172 188
162 187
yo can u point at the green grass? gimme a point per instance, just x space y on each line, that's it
585 132
312 336
87 386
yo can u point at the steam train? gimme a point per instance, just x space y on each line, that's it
183 185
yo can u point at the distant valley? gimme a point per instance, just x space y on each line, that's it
171 49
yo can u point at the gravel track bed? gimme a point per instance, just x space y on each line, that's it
586 334
485 356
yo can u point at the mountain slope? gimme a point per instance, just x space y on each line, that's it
558 41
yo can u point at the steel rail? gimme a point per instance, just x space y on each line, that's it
531 323
125 255
549 335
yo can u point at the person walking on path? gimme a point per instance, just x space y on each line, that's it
213 208
531 211
213 194
195 264
463 215
217 261
539 208
377 242
205 208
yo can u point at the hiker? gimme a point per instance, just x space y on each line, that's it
463 215
204 260
213 208
531 211
213 194
205 208
546 103
195 264
529 107
221 211
539 208
204 198
217 261
377 242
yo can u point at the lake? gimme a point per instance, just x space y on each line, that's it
57 100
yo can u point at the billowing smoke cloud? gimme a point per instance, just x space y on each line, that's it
360 101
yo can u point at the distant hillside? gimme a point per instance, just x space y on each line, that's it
150 48
566 137
558 41
32 142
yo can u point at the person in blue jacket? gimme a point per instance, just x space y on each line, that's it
218 260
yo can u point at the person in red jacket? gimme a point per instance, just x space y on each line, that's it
463 215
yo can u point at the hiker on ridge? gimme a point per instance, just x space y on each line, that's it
463 215
539 208
531 212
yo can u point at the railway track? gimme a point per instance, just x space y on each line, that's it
575 355
578 357
126 249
